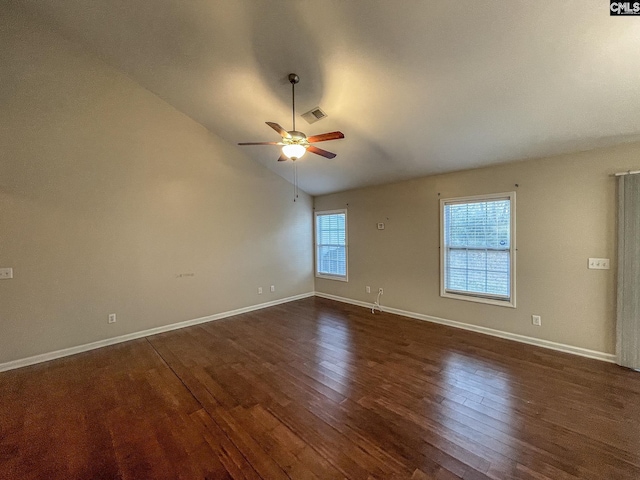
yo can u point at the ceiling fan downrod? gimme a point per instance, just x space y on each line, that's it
293 79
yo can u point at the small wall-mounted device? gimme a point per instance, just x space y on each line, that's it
381 226
599 264
6 273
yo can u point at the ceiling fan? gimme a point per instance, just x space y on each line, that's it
295 144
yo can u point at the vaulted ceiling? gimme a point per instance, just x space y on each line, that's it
417 87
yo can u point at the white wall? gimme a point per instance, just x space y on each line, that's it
566 212
107 194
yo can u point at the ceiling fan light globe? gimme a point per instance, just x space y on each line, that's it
294 151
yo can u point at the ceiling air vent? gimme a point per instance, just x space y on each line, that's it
313 115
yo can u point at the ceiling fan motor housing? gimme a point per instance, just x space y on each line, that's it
296 136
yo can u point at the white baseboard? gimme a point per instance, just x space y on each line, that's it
23 362
560 347
45 357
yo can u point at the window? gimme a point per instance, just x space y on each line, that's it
331 245
477 236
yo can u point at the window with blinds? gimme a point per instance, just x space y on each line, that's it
331 244
477 252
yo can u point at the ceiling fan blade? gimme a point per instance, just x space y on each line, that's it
283 158
261 143
283 133
319 151
323 137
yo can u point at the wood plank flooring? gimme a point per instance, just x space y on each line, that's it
316 389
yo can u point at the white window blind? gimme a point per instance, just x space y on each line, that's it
331 244
477 248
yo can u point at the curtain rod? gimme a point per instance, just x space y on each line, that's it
628 172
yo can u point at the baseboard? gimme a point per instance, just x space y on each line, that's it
560 347
350 301
45 357
583 352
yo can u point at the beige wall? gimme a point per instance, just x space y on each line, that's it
566 212
107 194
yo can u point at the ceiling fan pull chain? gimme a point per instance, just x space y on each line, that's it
295 181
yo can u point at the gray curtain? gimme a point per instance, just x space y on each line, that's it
628 325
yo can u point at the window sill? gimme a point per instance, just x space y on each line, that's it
340 278
487 301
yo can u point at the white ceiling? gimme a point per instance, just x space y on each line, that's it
417 87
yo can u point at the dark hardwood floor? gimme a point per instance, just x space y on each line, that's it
319 389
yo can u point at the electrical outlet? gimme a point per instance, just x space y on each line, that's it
367 289
6 273
112 318
380 291
536 320
599 264
259 290
273 288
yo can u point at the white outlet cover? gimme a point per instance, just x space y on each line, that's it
599 264
6 273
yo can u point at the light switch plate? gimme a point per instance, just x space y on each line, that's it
6 273
599 264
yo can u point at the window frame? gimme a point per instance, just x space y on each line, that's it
341 278
474 297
